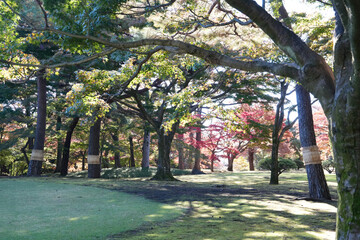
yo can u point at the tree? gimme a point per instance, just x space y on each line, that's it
318 188
93 158
66 147
336 90
146 148
37 155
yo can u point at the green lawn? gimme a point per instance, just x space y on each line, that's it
33 209
219 206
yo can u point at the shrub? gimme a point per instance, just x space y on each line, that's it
299 163
284 164
329 165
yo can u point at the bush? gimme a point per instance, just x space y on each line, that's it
284 164
299 163
329 165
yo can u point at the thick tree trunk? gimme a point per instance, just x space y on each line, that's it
145 162
251 153
94 168
37 155
59 144
132 158
345 135
66 149
318 188
163 164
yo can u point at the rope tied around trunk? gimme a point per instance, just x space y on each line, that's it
93 159
311 155
37 155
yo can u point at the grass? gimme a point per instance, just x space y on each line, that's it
125 172
32 209
220 206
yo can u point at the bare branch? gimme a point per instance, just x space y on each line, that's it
149 8
44 13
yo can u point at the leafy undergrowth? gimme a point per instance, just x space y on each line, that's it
32 209
128 173
227 206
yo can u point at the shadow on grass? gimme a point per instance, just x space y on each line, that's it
230 206
220 209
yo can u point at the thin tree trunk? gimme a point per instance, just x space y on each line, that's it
115 138
83 154
37 155
276 134
66 149
196 169
94 168
132 158
145 162
180 149
318 188
251 153
59 144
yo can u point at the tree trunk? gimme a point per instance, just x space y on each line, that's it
230 163
196 169
345 135
180 149
274 177
276 134
115 138
318 188
83 154
251 153
145 162
132 158
37 155
59 144
94 168
66 149
163 172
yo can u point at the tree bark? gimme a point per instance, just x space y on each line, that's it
163 172
37 155
180 149
115 138
145 162
59 144
197 169
276 134
132 158
318 188
231 162
345 132
66 149
94 168
251 153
